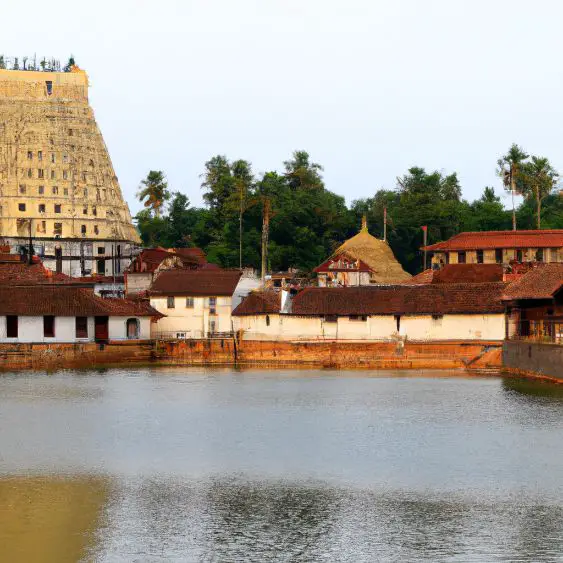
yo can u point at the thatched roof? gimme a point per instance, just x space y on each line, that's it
377 254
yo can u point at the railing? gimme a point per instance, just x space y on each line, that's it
538 331
190 335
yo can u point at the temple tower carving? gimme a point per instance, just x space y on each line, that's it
58 189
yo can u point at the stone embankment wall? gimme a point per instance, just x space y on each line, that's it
533 358
375 355
382 355
57 356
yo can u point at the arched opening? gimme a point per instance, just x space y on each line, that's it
133 328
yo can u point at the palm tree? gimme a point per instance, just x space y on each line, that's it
540 179
154 191
509 168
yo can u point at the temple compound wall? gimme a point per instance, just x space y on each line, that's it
58 189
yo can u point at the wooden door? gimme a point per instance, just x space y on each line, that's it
101 328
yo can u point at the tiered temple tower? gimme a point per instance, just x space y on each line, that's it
58 188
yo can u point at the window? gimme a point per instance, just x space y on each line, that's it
40 156
49 87
65 158
53 175
170 302
29 155
53 158
461 257
58 228
554 252
212 326
55 190
29 173
21 206
498 255
40 173
101 250
519 255
41 208
479 257
83 229
81 327
42 227
96 230
189 302
85 210
49 326
57 207
212 305
22 188
65 174
65 191
70 132
12 326
41 190
94 211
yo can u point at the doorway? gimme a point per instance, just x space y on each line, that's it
132 329
101 328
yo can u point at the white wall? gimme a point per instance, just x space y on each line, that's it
383 327
193 321
30 329
117 328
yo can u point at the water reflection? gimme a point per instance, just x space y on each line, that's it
237 520
533 388
49 520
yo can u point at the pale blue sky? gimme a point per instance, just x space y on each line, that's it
368 87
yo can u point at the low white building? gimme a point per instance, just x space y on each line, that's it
64 313
196 303
438 312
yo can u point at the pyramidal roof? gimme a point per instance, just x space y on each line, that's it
376 253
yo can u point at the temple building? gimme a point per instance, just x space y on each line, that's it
361 260
58 190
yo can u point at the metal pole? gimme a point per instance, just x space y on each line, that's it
385 223
425 231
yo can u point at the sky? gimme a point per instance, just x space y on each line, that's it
368 87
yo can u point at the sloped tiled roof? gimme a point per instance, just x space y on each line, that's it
67 301
487 240
326 266
469 273
438 299
202 282
542 282
424 277
259 303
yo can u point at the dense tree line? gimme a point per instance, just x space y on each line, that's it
298 222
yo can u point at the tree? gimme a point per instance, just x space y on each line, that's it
243 181
539 180
153 191
509 169
301 173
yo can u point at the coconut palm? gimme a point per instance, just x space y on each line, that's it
539 180
509 168
153 191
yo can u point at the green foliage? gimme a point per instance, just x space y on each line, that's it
153 191
307 221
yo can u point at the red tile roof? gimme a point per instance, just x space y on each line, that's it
429 299
259 303
67 301
487 240
542 282
196 282
150 259
424 277
469 273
